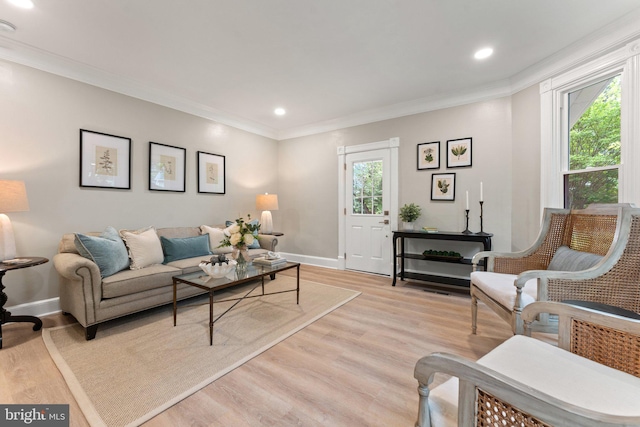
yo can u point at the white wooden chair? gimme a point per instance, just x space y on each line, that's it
577 256
591 379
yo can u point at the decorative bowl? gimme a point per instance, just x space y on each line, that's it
216 270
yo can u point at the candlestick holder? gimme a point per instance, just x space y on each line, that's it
466 230
481 232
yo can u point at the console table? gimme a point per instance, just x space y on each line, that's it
6 316
449 283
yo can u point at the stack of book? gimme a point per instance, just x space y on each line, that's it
269 262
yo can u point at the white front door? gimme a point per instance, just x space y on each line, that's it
368 232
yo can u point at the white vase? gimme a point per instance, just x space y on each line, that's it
407 225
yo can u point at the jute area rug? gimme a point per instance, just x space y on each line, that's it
141 365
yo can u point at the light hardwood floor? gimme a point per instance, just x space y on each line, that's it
353 367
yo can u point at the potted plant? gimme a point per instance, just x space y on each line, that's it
408 214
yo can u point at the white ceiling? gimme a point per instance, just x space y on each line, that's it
328 62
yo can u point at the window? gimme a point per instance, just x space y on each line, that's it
593 117
590 132
367 188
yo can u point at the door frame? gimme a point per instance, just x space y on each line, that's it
391 144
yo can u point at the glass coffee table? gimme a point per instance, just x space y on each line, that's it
257 273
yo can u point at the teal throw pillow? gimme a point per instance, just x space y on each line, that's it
184 247
256 243
107 251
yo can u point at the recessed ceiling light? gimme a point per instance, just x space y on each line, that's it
7 26
280 111
483 53
25 4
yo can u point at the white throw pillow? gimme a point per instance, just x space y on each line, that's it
216 236
144 247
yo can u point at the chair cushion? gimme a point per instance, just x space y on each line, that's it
500 288
567 259
558 373
184 247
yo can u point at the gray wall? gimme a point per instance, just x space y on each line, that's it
308 176
525 160
41 117
42 114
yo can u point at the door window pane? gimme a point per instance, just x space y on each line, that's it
367 188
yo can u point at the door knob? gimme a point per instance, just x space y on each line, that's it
386 221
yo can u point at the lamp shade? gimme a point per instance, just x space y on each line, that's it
267 202
13 196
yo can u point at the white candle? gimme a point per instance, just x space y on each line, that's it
481 195
467 199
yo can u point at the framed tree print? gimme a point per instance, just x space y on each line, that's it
167 167
211 173
105 160
459 153
443 186
429 155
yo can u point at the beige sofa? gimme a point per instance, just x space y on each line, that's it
92 299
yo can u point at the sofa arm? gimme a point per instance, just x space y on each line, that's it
80 286
268 242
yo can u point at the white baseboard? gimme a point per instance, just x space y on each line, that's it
52 305
311 260
36 308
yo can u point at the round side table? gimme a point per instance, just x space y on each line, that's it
5 316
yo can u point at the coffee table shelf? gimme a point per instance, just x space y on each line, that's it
201 280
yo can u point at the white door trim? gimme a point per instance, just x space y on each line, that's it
392 145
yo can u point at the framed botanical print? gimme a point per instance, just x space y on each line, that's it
167 167
429 155
443 186
105 160
459 153
211 173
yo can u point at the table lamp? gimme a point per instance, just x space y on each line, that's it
13 198
266 203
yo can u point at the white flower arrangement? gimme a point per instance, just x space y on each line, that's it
240 235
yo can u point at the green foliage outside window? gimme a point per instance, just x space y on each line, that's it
594 141
367 188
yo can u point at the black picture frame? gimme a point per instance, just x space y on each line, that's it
443 186
429 155
211 173
105 160
459 153
167 167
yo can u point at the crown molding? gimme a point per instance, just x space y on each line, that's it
33 57
601 42
422 105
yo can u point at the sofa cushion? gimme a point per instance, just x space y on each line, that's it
189 265
501 288
107 251
144 247
567 259
129 282
216 236
184 247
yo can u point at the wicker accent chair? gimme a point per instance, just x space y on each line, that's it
513 280
590 379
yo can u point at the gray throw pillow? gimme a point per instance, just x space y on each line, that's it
107 251
567 259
